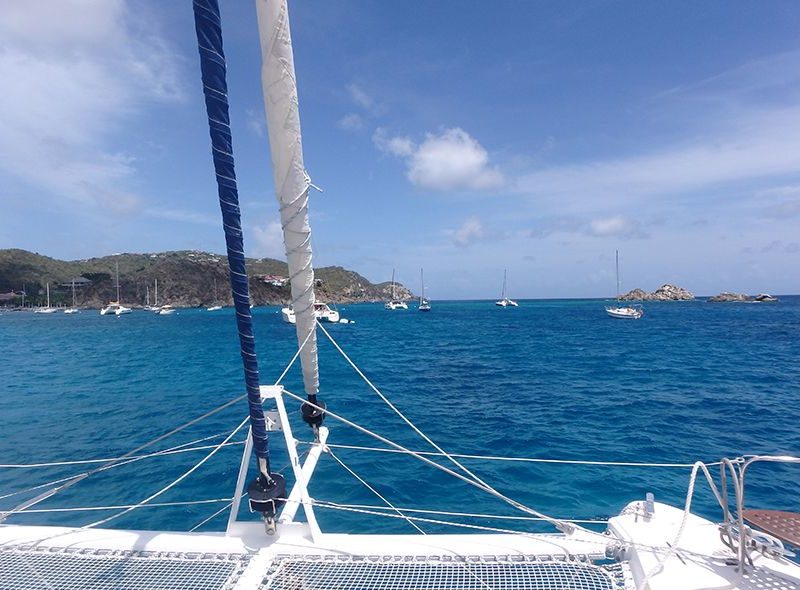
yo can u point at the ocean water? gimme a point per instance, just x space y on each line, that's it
550 379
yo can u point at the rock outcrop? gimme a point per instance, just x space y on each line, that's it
665 292
727 297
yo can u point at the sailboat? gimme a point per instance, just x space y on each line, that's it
394 302
147 306
47 309
74 308
649 545
216 306
424 304
623 312
115 307
505 301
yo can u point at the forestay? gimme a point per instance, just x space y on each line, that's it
291 180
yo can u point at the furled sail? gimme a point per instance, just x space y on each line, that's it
291 180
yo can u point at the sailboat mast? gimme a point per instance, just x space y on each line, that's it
505 273
48 295
422 280
208 27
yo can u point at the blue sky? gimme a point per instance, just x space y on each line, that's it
538 137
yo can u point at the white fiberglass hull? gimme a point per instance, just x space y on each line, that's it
625 313
635 540
393 305
506 303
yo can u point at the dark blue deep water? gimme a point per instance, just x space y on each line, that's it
550 379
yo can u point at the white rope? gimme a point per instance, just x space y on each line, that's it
561 525
374 491
217 513
476 515
174 482
294 358
553 539
518 459
119 507
130 459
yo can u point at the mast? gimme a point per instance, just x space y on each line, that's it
117 267
73 293
268 488
147 295
291 184
47 286
616 256
505 272
422 280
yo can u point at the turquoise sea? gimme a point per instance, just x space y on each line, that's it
551 379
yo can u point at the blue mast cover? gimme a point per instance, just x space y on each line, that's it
215 88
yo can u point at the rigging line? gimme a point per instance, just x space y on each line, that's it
399 413
244 495
294 358
121 506
71 481
130 460
217 513
559 524
520 459
374 491
475 515
539 537
174 482
174 451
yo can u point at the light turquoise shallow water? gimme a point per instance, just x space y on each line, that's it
552 379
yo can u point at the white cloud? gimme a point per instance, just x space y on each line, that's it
360 97
268 241
470 231
448 161
350 122
614 226
76 70
256 122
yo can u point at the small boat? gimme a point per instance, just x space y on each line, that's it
73 309
624 312
47 309
216 306
115 307
166 310
424 304
505 301
394 302
322 312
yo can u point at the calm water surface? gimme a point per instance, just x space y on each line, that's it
550 379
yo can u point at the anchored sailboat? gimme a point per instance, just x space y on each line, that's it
115 307
394 302
47 309
505 301
215 306
648 546
74 308
623 312
424 304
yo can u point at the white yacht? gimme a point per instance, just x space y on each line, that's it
394 302
166 310
505 301
623 312
47 309
424 304
322 312
115 307
74 308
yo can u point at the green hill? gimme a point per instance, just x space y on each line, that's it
185 279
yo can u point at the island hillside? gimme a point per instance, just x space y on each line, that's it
185 279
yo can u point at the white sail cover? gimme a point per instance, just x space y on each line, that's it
291 181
